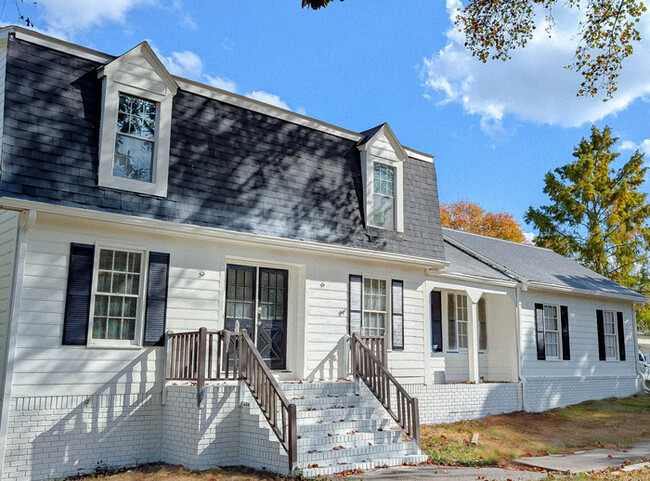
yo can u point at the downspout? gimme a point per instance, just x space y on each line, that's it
12 327
636 353
522 379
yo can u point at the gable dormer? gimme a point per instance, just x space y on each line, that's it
382 172
137 93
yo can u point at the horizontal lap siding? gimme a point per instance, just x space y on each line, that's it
583 336
45 367
8 236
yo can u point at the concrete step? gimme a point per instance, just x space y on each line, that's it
317 388
309 416
340 427
357 454
348 440
339 467
319 401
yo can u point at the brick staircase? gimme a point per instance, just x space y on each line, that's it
340 429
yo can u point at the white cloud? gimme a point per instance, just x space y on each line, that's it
532 85
220 83
184 64
643 146
268 98
529 236
67 17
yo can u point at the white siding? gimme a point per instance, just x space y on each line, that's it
317 308
8 237
583 338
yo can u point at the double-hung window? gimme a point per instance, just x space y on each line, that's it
117 296
609 331
457 317
383 214
135 138
375 307
551 332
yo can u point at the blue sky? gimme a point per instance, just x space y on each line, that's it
495 129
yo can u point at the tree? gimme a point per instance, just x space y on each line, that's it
597 215
606 34
470 217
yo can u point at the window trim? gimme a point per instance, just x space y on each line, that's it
111 91
388 324
558 317
615 335
140 315
370 156
456 347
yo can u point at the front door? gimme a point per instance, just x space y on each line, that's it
256 298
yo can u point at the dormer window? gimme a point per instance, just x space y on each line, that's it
382 171
383 214
136 123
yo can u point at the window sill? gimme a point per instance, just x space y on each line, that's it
122 347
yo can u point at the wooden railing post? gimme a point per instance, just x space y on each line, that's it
200 378
293 437
416 421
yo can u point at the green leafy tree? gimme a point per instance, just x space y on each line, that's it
597 214
606 34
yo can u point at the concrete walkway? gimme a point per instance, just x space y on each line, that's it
445 473
592 460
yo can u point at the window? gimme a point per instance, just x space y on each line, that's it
482 324
609 330
382 172
551 332
384 196
117 295
375 307
135 130
457 321
135 138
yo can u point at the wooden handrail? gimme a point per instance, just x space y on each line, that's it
224 355
379 346
367 366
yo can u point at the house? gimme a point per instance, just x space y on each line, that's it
195 277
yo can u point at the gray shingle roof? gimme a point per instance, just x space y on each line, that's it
534 264
229 167
463 263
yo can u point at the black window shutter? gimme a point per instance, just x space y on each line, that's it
154 327
436 321
397 321
621 336
355 303
539 332
77 299
566 346
600 325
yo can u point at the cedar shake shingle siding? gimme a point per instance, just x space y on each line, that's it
230 168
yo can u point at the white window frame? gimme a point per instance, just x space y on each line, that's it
142 298
387 317
369 156
615 357
558 331
116 79
456 321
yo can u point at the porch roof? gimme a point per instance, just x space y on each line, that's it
534 265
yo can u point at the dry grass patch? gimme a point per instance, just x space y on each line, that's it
160 472
639 475
592 424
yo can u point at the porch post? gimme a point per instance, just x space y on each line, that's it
473 295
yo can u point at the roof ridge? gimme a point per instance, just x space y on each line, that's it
501 240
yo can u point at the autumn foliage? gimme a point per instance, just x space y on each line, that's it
470 217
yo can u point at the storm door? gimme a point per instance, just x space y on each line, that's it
256 297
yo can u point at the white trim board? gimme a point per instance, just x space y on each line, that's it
188 229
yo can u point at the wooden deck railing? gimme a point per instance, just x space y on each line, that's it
368 367
379 346
224 355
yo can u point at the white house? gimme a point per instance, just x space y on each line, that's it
138 208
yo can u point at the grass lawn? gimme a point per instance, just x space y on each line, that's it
157 472
611 423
